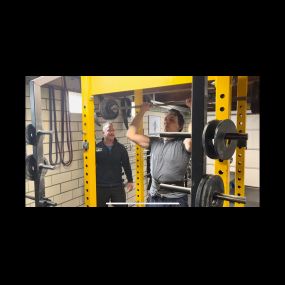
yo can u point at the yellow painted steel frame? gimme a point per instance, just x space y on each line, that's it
110 84
88 130
241 127
139 157
223 112
97 85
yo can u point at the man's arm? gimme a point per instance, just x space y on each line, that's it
188 142
132 133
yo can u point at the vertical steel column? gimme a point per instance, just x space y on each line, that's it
199 117
89 143
223 112
36 116
241 128
139 156
41 164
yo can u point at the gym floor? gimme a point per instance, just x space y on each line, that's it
252 196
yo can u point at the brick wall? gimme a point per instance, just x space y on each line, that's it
64 185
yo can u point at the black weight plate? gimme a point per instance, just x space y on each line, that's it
225 148
31 166
109 109
30 134
200 189
207 139
212 186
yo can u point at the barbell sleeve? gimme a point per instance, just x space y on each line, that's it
46 166
236 136
42 132
231 198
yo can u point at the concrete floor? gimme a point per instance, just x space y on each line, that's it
252 197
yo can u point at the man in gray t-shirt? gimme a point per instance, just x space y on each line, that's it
169 156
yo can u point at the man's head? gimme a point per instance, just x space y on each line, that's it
108 131
174 121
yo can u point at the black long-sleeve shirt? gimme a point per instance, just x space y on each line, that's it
109 164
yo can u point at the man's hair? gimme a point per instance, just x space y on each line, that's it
106 125
179 116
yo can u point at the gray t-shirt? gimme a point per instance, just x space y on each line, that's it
168 163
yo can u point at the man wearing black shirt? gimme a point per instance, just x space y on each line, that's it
111 156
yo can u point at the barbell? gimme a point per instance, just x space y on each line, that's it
210 192
219 138
109 109
172 135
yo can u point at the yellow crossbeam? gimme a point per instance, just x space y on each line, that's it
109 84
